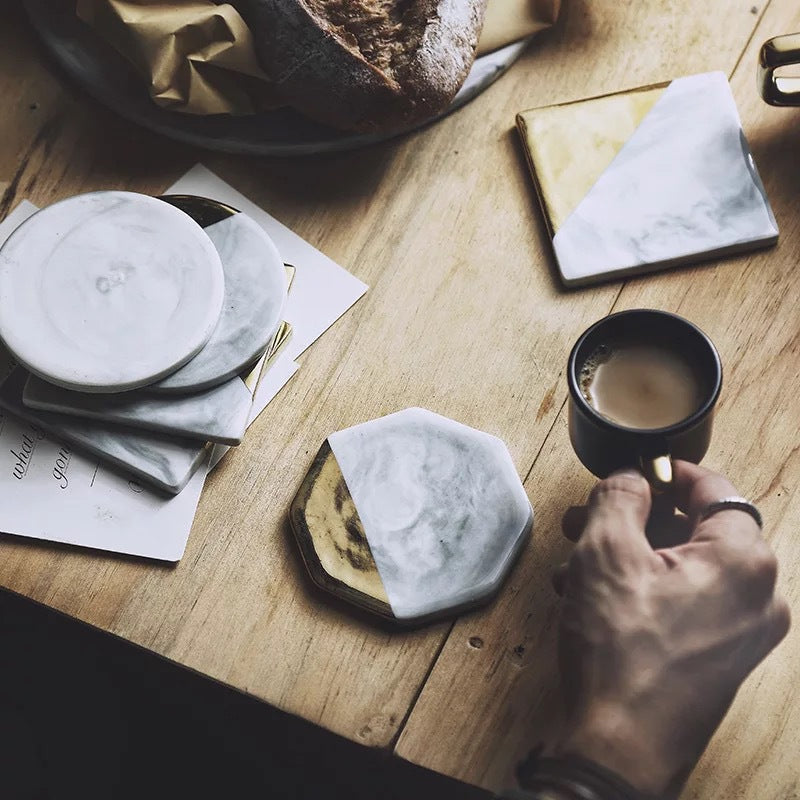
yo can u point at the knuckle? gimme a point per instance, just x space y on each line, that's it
712 486
624 487
764 567
582 556
782 619
755 567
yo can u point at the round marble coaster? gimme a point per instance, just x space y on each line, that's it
108 291
412 516
255 294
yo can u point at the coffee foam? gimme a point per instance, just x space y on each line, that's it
598 356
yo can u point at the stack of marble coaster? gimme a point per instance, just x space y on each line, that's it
140 326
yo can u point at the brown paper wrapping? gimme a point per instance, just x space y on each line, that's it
198 57
511 20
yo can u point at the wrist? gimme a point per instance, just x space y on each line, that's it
572 777
609 737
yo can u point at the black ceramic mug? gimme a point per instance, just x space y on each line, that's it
604 445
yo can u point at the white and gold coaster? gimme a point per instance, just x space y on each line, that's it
646 179
412 516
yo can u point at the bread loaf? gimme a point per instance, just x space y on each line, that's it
366 65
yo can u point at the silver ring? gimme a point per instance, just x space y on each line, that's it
731 504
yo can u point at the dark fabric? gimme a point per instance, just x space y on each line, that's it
86 716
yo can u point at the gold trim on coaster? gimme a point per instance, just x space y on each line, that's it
568 146
331 538
279 340
267 359
203 210
291 271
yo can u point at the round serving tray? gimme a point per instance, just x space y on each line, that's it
108 77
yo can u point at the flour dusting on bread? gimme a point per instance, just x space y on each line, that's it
366 64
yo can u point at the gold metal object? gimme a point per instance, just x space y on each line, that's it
331 538
658 472
781 51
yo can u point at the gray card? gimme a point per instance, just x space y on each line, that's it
166 462
215 415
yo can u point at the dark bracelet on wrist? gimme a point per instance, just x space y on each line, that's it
576 777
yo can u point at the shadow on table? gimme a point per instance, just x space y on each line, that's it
86 715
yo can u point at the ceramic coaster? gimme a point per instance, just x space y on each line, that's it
165 462
108 291
255 294
412 516
646 179
216 415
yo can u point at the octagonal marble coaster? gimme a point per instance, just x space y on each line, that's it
412 516
108 291
255 295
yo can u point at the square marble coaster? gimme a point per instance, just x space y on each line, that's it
166 462
646 179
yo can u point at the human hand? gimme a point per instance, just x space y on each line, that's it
653 644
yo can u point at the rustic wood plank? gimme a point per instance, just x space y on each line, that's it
491 695
464 317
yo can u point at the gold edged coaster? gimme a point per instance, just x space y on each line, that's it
646 179
411 516
331 537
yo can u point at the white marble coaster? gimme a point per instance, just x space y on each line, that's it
647 179
442 507
108 291
166 462
255 294
218 415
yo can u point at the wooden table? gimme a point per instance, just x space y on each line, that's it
464 316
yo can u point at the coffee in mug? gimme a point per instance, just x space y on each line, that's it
643 385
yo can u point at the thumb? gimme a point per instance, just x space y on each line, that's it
618 510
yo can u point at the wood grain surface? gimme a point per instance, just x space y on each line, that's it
464 316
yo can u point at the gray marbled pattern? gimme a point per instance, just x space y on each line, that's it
682 188
255 293
166 462
442 506
108 291
215 415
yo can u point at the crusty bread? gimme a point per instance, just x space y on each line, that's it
366 65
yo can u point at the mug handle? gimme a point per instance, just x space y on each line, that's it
657 471
779 51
